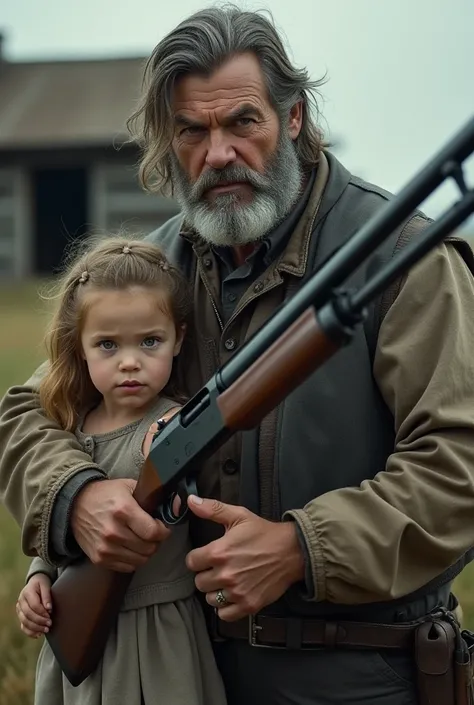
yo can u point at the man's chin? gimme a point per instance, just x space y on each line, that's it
224 235
230 202
229 222
232 194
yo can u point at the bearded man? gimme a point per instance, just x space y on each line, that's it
351 505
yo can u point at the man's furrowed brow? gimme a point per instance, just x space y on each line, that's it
245 110
183 121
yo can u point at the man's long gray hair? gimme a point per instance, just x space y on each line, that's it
199 45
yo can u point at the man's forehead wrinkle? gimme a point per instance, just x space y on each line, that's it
218 110
220 98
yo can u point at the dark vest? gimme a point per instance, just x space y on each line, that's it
340 400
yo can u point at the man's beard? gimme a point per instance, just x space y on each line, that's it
228 221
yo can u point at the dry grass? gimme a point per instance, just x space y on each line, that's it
17 653
22 317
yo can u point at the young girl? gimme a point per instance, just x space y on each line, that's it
113 352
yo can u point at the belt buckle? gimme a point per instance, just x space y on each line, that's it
254 628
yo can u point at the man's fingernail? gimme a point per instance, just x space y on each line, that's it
196 499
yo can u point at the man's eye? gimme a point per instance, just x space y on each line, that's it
245 121
191 130
107 345
151 342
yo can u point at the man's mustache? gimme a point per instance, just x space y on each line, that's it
229 175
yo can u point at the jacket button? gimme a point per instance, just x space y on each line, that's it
258 287
229 466
88 443
230 343
208 263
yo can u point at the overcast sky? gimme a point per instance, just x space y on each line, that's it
400 75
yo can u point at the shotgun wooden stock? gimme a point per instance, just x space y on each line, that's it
87 598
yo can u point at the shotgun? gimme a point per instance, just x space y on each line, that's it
300 336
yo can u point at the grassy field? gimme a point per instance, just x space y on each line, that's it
22 317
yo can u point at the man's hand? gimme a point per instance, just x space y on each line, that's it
111 527
253 564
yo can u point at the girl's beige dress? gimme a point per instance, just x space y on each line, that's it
159 653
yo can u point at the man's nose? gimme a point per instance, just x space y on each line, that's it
220 151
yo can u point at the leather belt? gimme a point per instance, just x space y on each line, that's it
295 633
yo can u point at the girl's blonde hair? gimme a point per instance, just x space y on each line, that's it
115 262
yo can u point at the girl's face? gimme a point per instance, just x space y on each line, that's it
129 342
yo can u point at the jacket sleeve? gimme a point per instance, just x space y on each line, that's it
396 532
38 565
42 467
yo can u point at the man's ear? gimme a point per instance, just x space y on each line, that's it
295 119
180 333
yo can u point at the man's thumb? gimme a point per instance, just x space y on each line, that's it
212 509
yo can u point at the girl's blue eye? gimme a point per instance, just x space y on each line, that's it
107 344
151 342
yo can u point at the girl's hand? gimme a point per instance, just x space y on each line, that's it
34 605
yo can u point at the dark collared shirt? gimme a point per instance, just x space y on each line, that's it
235 280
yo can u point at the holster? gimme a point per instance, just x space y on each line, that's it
444 661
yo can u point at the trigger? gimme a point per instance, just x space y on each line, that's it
190 485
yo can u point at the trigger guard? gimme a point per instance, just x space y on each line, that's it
184 489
